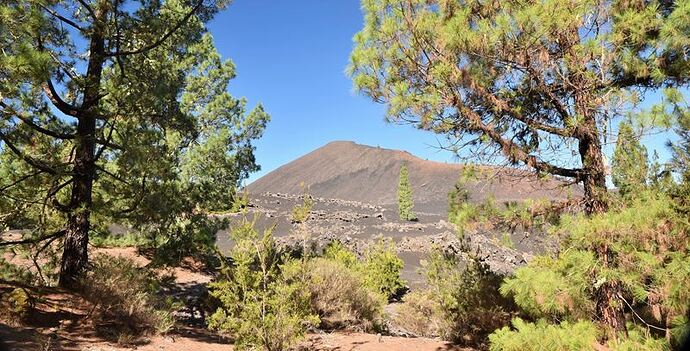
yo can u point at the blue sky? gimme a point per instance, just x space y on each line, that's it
291 57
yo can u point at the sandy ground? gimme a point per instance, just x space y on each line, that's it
59 322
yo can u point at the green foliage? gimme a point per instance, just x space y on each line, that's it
500 79
264 300
149 128
125 299
571 336
545 337
554 288
629 166
185 236
300 213
381 269
240 202
17 304
648 243
337 252
405 203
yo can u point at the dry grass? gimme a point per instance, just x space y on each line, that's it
340 298
125 305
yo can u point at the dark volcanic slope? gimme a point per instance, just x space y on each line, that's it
349 171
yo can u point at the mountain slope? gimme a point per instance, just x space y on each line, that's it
349 171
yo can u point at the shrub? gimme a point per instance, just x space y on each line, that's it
263 299
381 269
16 305
465 298
300 213
125 301
337 252
340 297
580 335
192 235
422 315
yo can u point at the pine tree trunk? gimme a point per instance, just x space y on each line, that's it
609 307
75 255
594 181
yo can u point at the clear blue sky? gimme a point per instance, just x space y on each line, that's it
291 56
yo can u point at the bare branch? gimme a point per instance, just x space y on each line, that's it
28 159
63 19
89 9
55 98
59 233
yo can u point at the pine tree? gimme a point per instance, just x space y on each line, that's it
530 80
405 202
116 112
629 166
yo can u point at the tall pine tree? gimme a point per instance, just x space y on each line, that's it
116 111
528 80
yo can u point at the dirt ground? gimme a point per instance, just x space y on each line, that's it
60 322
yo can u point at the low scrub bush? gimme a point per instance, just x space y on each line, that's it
16 305
124 299
422 315
464 305
340 297
379 269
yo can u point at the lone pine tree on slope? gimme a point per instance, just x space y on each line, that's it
405 203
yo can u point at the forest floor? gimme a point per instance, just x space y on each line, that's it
60 321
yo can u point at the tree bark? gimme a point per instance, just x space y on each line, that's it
594 179
75 254
607 296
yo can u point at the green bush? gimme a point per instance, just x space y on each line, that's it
337 252
263 296
16 305
570 336
647 242
381 269
300 213
125 299
543 336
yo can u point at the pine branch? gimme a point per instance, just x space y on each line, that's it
53 236
161 39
